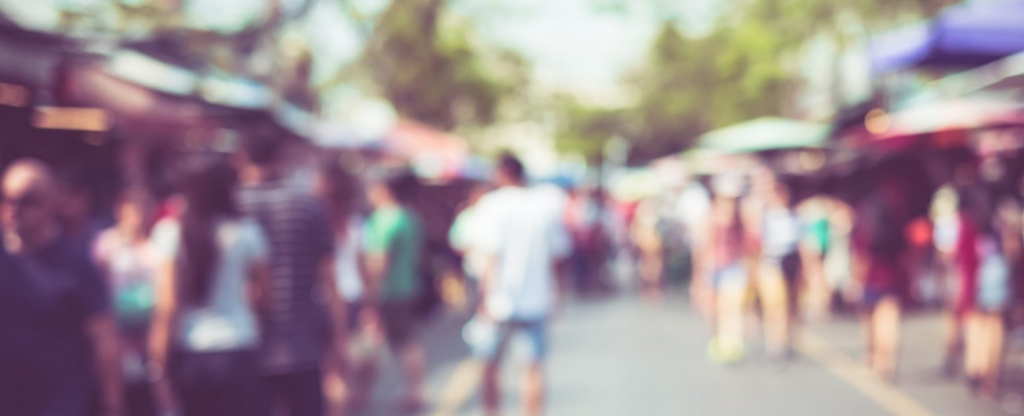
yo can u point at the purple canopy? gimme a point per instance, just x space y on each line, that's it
961 36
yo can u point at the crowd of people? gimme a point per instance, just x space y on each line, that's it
246 292
763 261
243 292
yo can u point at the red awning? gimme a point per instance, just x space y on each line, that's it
433 152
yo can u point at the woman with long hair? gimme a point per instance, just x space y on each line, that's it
341 190
205 334
725 272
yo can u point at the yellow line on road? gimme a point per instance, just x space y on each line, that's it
888 397
459 389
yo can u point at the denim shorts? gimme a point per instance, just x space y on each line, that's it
732 275
527 337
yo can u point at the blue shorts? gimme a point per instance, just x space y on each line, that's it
871 297
528 337
731 275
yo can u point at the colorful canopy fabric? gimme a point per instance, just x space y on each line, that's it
767 133
966 35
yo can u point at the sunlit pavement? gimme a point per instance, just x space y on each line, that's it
621 356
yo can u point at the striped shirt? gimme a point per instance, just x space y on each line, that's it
295 323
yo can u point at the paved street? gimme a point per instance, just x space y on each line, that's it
623 357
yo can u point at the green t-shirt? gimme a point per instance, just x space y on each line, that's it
396 233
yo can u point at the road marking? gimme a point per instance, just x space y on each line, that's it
888 397
459 389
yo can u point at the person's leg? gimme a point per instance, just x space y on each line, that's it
195 398
335 388
974 349
533 383
651 271
730 321
533 390
887 337
996 336
868 326
368 345
490 355
399 324
240 391
954 343
139 399
413 365
492 389
793 315
304 393
771 290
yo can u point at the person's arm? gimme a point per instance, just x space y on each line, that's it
102 332
488 279
165 243
162 323
380 233
376 270
323 236
335 305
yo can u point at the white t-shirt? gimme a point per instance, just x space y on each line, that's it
346 261
780 235
523 229
227 322
693 209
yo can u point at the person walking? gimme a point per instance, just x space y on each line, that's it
526 241
123 254
341 191
394 247
303 324
778 276
879 267
999 251
725 275
205 336
58 337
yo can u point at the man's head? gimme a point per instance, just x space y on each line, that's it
510 171
262 150
389 188
133 210
28 206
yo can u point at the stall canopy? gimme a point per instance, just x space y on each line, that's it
1005 75
946 121
971 34
762 134
433 154
951 115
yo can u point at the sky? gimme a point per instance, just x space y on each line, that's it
582 46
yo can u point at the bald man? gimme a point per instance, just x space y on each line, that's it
58 342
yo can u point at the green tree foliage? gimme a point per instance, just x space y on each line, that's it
433 72
743 69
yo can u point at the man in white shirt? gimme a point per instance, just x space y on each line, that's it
524 238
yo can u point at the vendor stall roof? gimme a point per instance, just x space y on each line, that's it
944 119
767 133
971 34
